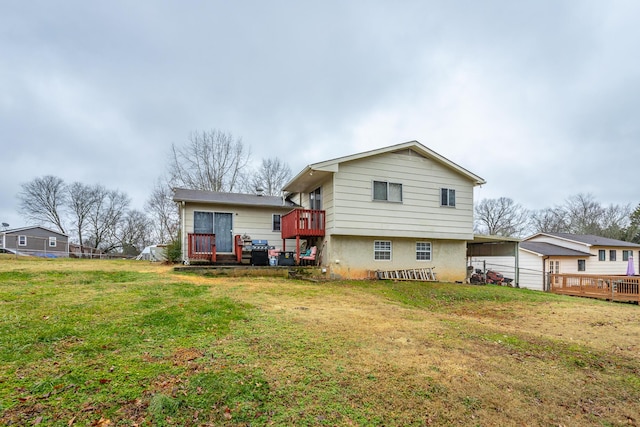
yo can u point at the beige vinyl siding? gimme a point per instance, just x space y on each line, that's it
418 215
253 221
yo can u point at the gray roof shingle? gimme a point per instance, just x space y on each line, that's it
548 249
201 196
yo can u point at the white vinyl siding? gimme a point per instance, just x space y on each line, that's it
382 250
418 216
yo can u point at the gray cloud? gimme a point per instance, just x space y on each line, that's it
538 98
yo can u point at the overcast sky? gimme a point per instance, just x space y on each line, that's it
540 98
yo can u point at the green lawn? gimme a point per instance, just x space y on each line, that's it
107 343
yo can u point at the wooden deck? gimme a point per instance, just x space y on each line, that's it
303 223
613 288
202 246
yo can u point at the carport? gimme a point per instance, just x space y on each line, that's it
499 251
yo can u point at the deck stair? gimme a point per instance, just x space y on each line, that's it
414 274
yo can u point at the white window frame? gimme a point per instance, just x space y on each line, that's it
52 242
448 197
425 252
22 240
273 222
387 191
382 250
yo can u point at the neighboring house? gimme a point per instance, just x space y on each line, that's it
397 207
77 251
564 253
35 240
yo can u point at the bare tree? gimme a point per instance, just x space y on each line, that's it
81 200
549 220
500 217
212 160
271 177
105 217
43 200
133 232
584 214
164 212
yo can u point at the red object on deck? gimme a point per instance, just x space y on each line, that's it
202 246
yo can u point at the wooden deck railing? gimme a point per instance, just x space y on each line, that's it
615 288
303 223
202 246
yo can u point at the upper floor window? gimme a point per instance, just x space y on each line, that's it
387 191
602 255
315 199
275 222
612 255
423 251
52 241
22 240
626 255
447 197
382 250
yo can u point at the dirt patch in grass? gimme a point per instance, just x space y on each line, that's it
556 362
142 344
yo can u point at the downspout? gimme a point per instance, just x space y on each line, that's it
183 234
544 273
517 269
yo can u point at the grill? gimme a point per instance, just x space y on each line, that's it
259 252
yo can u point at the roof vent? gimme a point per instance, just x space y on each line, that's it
259 191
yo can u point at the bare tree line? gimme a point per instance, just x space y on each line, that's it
579 214
95 216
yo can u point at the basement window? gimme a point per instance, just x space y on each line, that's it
382 250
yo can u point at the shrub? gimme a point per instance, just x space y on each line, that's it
173 252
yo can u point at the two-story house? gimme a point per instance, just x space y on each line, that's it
398 207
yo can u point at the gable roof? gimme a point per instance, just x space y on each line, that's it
202 196
300 181
549 249
589 239
21 229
